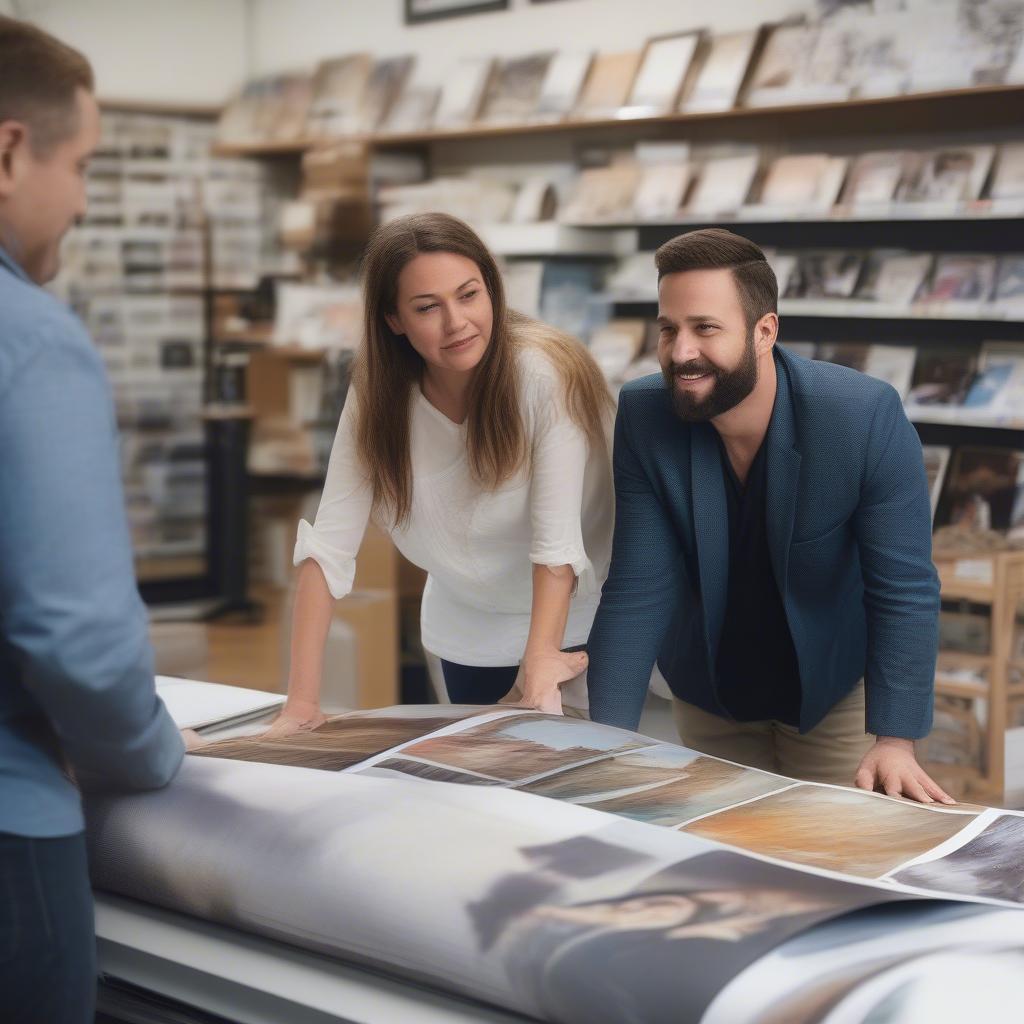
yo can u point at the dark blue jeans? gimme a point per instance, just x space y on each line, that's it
471 684
47 932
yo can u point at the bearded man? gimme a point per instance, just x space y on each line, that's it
772 542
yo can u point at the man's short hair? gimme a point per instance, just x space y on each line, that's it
39 79
718 249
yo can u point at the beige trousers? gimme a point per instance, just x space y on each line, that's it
830 752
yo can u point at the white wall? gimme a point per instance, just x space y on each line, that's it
163 51
199 51
297 33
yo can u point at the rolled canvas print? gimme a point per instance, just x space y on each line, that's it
722 73
885 965
540 906
551 910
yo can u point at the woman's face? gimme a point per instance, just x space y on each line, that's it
444 309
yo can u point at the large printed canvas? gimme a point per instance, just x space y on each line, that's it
658 909
552 910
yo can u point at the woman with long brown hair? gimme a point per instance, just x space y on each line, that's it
479 439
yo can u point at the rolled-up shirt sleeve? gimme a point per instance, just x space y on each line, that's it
333 540
560 450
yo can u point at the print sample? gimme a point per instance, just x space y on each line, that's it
836 829
991 865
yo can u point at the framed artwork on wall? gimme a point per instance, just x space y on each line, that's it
419 11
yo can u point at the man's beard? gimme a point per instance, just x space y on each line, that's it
729 387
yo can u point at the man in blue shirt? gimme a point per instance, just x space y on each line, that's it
772 542
77 696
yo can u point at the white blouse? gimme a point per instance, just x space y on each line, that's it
477 546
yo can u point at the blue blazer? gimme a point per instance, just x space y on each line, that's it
849 528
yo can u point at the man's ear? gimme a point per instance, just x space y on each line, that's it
13 140
392 321
766 330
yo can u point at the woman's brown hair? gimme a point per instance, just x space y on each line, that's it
388 368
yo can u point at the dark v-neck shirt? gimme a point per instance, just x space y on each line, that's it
756 671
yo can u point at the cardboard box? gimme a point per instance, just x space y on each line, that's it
372 615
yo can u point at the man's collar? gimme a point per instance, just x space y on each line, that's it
8 261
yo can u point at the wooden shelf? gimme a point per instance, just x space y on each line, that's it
211 111
293 147
983 211
296 353
838 309
957 688
950 660
964 590
917 111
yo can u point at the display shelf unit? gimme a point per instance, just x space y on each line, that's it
995 581
927 111
985 114
844 309
549 238
982 211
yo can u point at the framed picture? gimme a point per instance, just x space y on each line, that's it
722 72
562 84
664 68
419 11
515 89
607 86
463 91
